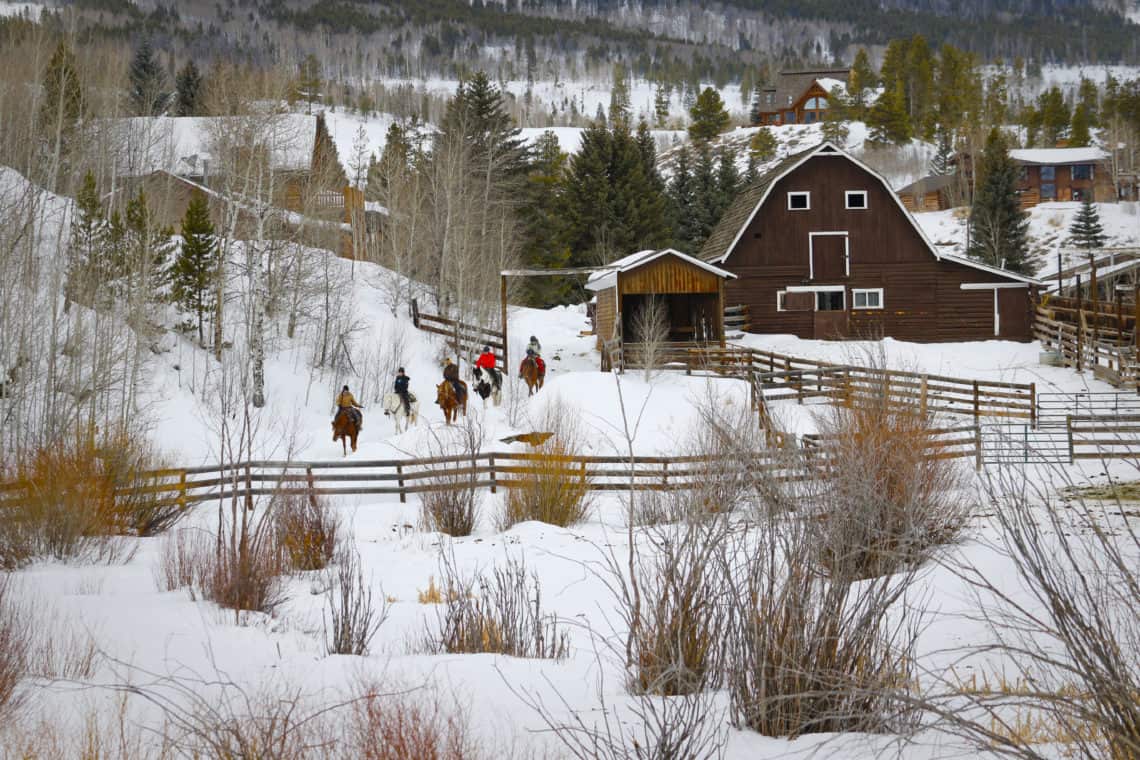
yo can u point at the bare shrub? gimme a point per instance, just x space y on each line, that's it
410 725
175 568
62 649
809 654
650 328
882 499
498 612
451 506
553 489
679 632
307 528
1073 641
353 618
242 572
15 647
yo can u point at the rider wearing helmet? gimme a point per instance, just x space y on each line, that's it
401 389
345 401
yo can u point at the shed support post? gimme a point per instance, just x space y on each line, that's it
503 318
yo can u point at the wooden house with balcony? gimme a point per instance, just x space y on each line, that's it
800 97
1063 174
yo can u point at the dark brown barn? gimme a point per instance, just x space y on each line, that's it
822 248
693 292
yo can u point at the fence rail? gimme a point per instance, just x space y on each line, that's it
1088 340
1099 437
1054 409
465 338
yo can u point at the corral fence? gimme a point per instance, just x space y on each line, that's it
1054 409
465 338
1088 340
1079 437
492 470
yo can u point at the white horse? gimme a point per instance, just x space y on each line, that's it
394 407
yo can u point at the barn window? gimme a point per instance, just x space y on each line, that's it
799 201
856 199
1083 171
867 298
830 300
797 301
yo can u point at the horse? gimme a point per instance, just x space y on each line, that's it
534 377
394 407
346 425
492 387
451 406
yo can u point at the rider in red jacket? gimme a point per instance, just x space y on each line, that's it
486 359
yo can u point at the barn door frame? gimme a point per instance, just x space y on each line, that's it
995 287
846 251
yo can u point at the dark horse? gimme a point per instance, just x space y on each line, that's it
533 374
489 383
346 426
451 406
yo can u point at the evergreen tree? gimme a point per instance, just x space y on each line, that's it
88 252
543 217
395 159
681 199
619 99
727 179
647 148
1054 115
707 199
1079 136
147 82
958 86
62 106
943 161
757 102
479 115
1089 97
188 86
835 128
762 146
709 116
998 226
661 105
918 90
193 273
309 81
1087 231
861 79
888 120
144 257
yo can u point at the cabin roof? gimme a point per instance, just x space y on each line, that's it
607 277
1052 156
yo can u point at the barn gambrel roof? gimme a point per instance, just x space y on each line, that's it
740 213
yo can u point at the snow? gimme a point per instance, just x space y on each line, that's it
1058 155
607 279
31 10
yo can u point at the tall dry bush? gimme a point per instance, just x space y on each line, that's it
15 647
69 500
452 504
498 612
809 653
386 726
307 529
554 489
242 570
1072 642
880 496
353 617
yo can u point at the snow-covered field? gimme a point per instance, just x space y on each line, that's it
144 633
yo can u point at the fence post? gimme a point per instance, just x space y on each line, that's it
416 313
1033 404
182 490
312 485
976 401
922 400
979 457
491 462
665 474
400 483
1069 427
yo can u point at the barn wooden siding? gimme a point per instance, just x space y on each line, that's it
605 315
667 275
922 299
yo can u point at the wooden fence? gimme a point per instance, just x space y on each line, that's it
1100 339
403 477
465 338
1098 437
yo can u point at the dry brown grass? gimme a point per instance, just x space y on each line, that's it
175 569
418 725
241 574
15 647
307 529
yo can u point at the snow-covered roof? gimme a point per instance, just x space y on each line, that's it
186 145
607 277
829 84
1050 156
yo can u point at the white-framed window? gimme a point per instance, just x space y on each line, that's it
795 300
799 201
867 298
856 199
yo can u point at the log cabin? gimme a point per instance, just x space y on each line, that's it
823 248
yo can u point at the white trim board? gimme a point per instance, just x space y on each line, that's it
815 288
992 285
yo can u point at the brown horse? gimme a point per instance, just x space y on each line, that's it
451 406
345 428
534 377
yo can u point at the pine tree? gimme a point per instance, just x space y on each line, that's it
727 179
144 257
943 161
709 116
647 147
888 120
762 146
998 226
88 264
543 217
661 104
188 86
619 99
1079 136
309 81
479 115
192 276
757 102
835 129
1054 115
63 104
681 199
1087 231
707 200
1089 97
147 83
861 79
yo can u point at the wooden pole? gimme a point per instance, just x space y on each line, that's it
1060 281
503 316
1080 325
1095 292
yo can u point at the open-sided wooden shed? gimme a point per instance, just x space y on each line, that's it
692 291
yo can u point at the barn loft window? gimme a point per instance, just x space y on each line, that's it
1082 171
799 201
856 199
867 298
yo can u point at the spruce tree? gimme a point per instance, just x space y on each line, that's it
147 83
309 81
647 147
661 105
707 199
709 116
888 120
835 129
681 199
62 107
762 146
943 161
861 79
543 217
88 253
188 88
144 263
192 276
757 102
727 179
619 99
478 114
1087 231
1055 115
998 226
1079 136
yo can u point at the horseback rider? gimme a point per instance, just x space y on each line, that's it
451 375
486 361
346 402
533 348
401 389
